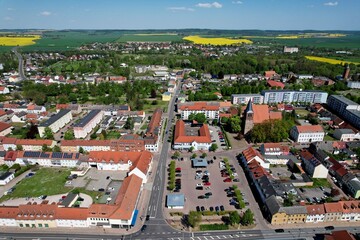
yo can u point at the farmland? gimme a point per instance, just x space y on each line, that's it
328 60
151 37
18 40
216 41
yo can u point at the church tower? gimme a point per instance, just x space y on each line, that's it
249 118
346 72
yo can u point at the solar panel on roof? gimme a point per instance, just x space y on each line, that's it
67 155
31 154
57 155
45 155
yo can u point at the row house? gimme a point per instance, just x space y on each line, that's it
88 123
5 129
26 144
312 165
346 108
274 149
56 122
210 109
86 145
346 134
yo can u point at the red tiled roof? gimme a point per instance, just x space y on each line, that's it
250 153
181 137
72 213
143 162
309 129
2 112
2 88
269 74
118 157
340 235
262 113
316 209
199 106
333 207
66 143
8 212
61 106
4 126
154 122
8 140
34 142
277 84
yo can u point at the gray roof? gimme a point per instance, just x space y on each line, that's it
272 204
54 118
4 175
355 183
343 99
87 118
344 131
294 210
249 107
246 95
175 200
69 199
199 162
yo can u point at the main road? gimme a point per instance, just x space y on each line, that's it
21 63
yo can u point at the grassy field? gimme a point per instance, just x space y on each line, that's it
302 112
46 181
150 38
321 182
148 107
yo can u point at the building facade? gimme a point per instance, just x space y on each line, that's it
307 134
88 123
56 122
292 96
245 98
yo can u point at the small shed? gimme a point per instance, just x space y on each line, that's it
175 201
199 162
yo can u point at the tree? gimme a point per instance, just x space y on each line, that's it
235 124
213 147
247 218
129 123
191 149
203 155
194 155
234 218
69 135
153 93
194 218
48 134
45 148
19 147
81 150
176 154
56 148
199 117
215 122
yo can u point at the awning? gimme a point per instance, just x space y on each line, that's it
133 221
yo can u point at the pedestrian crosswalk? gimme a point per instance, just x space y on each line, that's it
229 236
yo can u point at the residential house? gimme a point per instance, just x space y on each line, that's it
274 149
166 96
315 213
19 117
309 133
346 134
250 154
4 90
210 109
6 177
5 129
333 211
312 165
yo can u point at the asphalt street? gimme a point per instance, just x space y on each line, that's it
21 63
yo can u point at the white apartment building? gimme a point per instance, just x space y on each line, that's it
291 49
346 135
292 96
56 122
88 123
245 98
346 108
210 109
352 84
307 134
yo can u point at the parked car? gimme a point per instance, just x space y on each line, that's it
236 180
199 185
329 228
143 228
217 208
207 184
222 208
227 180
208 193
202 208
199 188
197 208
211 209
279 230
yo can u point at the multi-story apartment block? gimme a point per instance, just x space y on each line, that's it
346 108
56 122
88 123
291 96
352 84
305 134
210 109
245 98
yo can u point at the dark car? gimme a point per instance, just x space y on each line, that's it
211 209
44 197
208 194
329 228
279 230
143 228
108 177
197 208
101 190
222 208
236 180
199 188
217 208
302 190
147 217
202 208
201 197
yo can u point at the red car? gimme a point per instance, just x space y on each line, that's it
178 169
207 183
227 180
225 175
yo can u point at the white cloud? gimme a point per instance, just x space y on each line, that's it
45 13
237 2
176 9
8 19
209 5
331 4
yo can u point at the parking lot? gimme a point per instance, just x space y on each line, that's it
218 137
200 195
314 195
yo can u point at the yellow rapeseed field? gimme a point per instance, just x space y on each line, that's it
18 40
216 41
328 60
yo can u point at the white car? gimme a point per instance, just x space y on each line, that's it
199 185
234 174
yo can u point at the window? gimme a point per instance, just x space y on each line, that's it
46 225
40 225
27 225
21 225
33 225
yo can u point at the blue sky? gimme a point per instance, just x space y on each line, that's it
162 14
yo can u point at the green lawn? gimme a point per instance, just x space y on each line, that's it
321 182
302 112
46 181
209 227
144 126
113 135
148 107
